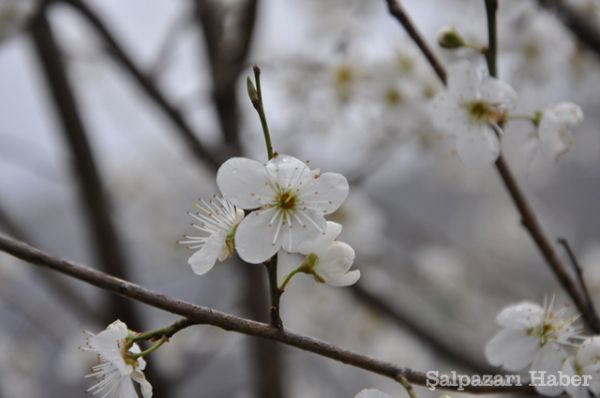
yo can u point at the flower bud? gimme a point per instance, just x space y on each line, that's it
449 38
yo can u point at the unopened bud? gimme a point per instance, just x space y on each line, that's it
449 38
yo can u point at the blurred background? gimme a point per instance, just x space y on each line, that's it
103 105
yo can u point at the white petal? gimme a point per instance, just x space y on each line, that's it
334 263
322 242
254 237
498 93
521 316
512 349
478 146
204 259
296 235
107 344
549 359
243 182
325 193
287 171
464 81
572 390
372 393
447 114
286 263
126 389
145 386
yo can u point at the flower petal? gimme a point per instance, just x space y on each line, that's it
296 235
334 263
244 182
549 359
478 146
371 393
464 80
325 193
254 237
145 386
521 316
287 171
204 259
498 93
321 242
512 349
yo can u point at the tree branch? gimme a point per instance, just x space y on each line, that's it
580 25
207 316
186 133
93 198
528 216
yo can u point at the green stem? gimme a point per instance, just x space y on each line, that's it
260 108
408 387
151 349
165 332
287 280
491 6
275 293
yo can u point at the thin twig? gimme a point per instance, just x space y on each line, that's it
398 12
189 137
95 202
528 216
579 272
207 316
581 25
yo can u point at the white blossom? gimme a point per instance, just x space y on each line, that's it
327 259
289 202
118 367
532 335
585 362
218 219
469 110
555 126
371 393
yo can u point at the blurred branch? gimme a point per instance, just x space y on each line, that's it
442 344
581 25
579 272
93 198
227 55
200 152
528 217
401 16
207 316
163 56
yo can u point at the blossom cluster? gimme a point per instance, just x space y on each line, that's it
474 109
545 339
275 208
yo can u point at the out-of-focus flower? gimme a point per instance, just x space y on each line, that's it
371 393
555 128
468 111
328 260
218 220
585 362
118 366
532 335
364 223
289 199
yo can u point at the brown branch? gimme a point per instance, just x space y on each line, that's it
400 14
581 25
579 272
207 316
226 59
186 133
444 347
93 197
528 216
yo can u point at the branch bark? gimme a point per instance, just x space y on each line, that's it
186 133
528 216
207 316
